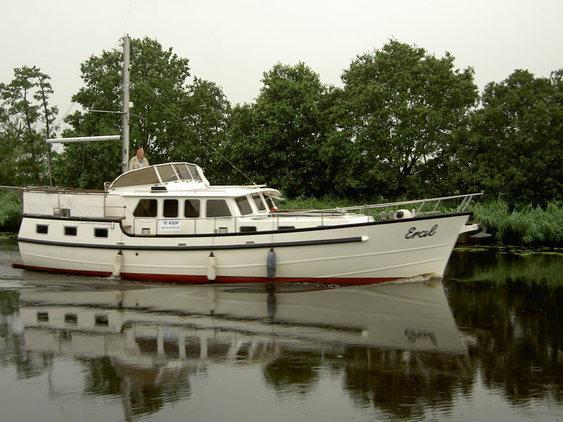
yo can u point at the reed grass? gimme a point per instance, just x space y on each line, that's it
10 211
524 225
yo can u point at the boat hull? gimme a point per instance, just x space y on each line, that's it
353 254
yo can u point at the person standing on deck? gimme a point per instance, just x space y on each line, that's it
138 161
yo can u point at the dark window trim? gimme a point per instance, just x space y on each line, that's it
198 207
164 208
146 216
217 216
99 230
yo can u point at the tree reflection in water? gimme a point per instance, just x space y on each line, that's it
293 372
518 336
406 384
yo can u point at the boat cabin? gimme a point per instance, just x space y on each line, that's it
175 199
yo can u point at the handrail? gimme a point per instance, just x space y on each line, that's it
466 199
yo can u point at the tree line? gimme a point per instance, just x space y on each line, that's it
404 123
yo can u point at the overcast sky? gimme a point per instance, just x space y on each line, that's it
233 42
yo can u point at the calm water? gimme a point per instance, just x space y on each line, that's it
486 344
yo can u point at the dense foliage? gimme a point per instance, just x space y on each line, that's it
26 119
10 211
405 123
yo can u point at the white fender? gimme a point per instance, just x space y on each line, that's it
118 264
211 267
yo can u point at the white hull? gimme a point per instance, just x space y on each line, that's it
358 253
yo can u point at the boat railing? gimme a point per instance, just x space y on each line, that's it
277 221
429 206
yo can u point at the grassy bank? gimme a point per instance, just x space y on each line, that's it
10 212
523 226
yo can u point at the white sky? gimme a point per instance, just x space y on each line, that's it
233 42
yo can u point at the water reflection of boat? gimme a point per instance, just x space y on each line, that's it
409 317
148 345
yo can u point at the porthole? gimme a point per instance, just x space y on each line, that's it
100 232
70 231
42 228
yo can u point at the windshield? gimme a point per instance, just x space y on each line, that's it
157 174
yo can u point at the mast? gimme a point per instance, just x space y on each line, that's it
125 107
124 137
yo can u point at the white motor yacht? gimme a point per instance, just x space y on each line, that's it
168 223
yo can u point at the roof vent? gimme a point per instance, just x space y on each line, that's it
158 188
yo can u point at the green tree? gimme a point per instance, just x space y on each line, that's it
205 110
25 121
515 144
400 111
173 119
277 139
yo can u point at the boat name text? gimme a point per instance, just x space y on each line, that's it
413 232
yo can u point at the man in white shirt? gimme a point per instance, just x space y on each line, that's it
138 161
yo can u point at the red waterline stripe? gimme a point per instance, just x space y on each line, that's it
62 270
201 279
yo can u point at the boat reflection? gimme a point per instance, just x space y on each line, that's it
411 317
146 344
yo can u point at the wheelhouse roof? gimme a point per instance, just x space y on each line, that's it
180 179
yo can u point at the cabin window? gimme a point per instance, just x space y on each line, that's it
70 231
243 205
170 209
42 316
100 232
146 208
259 204
217 208
42 228
247 229
71 319
191 208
